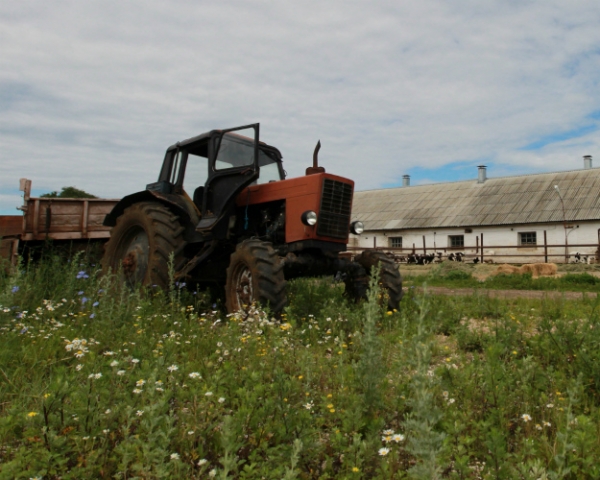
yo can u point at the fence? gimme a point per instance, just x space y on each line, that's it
555 253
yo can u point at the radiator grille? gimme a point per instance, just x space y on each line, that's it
336 206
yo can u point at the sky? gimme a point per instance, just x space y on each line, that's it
92 93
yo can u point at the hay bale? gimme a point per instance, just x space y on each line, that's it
546 269
507 269
539 269
528 268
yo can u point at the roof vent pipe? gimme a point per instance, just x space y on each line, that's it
482 175
406 180
587 161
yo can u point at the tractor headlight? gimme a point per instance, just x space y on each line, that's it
309 218
357 228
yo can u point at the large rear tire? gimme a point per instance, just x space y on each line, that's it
255 275
142 241
389 276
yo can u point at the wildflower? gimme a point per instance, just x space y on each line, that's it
174 456
84 300
159 389
114 363
208 394
15 289
107 411
388 432
173 368
120 372
212 473
79 367
105 431
526 418
95 376
538 426
546 424
108 353
355 469
308 405
139 413
222 400
383 451
135 361
93 315
95 304
83 275
32 414
137 391
550 405
194 375
80 292
140 383
191 432
398 438
202 461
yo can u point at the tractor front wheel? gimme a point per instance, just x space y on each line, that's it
389 276
142 241
255 275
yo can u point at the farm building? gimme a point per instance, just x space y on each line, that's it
548 217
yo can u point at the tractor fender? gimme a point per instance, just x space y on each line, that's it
176 203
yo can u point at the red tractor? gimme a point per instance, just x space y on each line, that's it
223 209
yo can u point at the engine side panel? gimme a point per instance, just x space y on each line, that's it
301 194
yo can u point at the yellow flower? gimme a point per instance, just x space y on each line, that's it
389 313
300 377
329 395
355 469
330 405
32 414
332 410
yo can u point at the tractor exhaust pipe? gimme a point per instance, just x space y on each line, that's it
315 168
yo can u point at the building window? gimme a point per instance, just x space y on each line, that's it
527 238
456 241
395 242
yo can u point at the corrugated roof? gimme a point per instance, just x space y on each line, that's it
498 201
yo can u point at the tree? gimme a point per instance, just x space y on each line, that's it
69 192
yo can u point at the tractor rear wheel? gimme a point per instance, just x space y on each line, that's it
142 241
389 277
255 275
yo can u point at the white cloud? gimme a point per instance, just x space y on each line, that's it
92 93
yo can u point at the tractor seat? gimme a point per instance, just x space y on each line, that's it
198 196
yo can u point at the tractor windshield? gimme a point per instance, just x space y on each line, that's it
237 151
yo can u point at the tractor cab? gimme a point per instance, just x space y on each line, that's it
213 168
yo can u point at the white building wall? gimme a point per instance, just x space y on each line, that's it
497 241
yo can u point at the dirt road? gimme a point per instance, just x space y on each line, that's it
507 293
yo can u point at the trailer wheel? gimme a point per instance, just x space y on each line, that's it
141 242
390 277
255 274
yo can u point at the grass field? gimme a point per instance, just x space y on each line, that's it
97 381
573 277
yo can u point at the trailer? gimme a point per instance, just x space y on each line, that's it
62 220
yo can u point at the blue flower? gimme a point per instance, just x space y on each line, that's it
92 315
15 289
24 330
80 292
95 304
83 300
83 275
